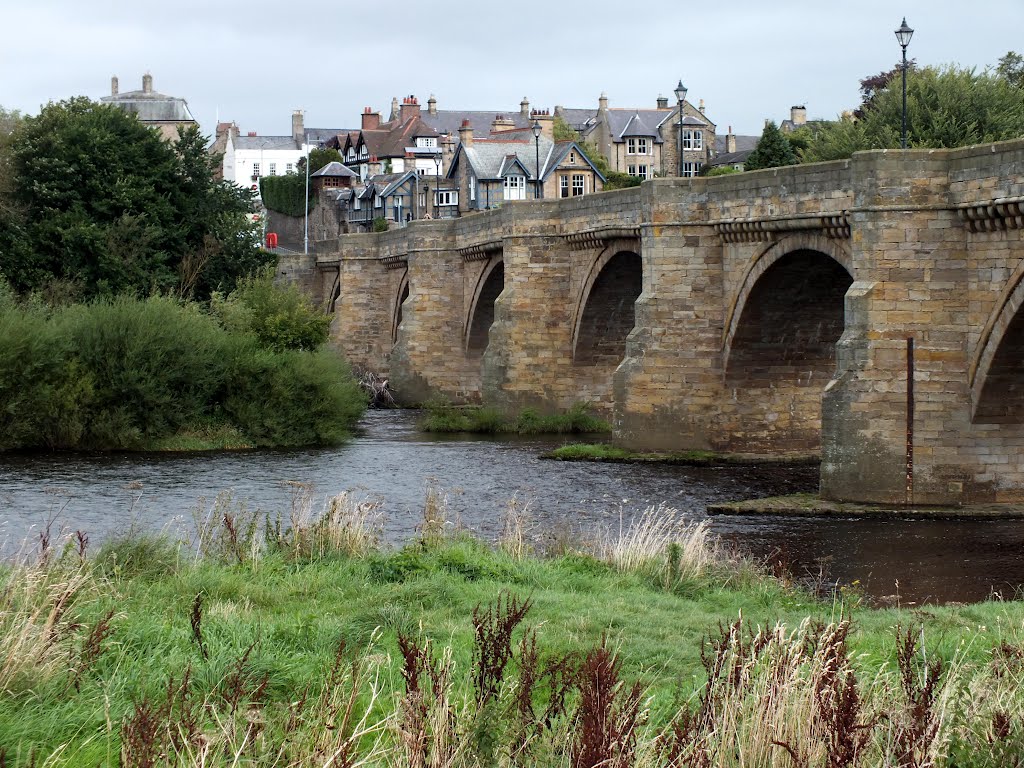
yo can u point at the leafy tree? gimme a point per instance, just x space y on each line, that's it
772 150
1011 69
617 180
12 238
946 107
318 158
721 170
565 132
109 206
285 194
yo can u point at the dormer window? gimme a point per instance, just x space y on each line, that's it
363 152
351 155
426 142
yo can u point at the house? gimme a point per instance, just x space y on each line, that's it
401 144
646 142
246 158
397 198
334 175
733 150
502 166
165 113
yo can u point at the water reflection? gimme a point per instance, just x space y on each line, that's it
103 494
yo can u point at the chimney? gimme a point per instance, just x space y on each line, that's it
147 83
730 141
371 119
700 106
602 103
502 123
394 109
662 102
524 107
251 133
298 131
410 108
547 122
431 105
466 134
113 86
798 114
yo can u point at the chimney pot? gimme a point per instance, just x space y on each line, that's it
147 83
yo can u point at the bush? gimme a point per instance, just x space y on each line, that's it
285 194
281 317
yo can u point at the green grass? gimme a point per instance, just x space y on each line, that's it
444 417
291 608
607 452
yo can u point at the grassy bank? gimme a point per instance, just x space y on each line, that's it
445 417
617 454
297 640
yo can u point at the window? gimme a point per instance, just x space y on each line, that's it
691 169
355 203
578 184
515 187
572 158
377 202
642 172
351 154
363 152
472 187
563 185
255 169
273 169
447 197
428 142
631 169
630 146
693 139
641 146
289 167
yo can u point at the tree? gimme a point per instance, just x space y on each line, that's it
772 150
946 107
109 206
318 158
565 132
1011 69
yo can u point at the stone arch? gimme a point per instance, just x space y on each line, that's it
396 314
996 374
606 308
762 262
480 315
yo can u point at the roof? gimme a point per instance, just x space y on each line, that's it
448 121
743 143
391 139
152 107
731 158
334 169
637 125
265 142
516 152
321 135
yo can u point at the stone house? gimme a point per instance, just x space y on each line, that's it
490 170
396 197
165 113
646 142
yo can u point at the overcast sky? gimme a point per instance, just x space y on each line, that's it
254 62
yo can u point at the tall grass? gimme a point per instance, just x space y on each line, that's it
250 653
442 416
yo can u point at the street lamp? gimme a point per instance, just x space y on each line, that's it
536 142
437 183
680 97
903 35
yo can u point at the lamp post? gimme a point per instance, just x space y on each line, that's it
903 35
305 226
680 98
536 143
437 184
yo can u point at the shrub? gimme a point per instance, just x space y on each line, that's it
284 194
280 316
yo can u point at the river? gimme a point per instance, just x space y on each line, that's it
921 561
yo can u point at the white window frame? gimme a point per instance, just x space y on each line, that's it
631 169
426 142
351 154
579 182
378 201
643 171
641 145
515 187
472 187
563 185
272 170
363 152
631 145
691 169
356 204
289 168
446 197
255 169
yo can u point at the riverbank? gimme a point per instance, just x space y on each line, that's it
443 417
811 505
303 639
606 452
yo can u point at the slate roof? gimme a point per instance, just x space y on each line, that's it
581 120
495 158
265 142
448 121
322 135
743 143
637 125
391 139
334 169
152 107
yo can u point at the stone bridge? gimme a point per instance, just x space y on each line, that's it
773 311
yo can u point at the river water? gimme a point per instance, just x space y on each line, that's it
104 494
